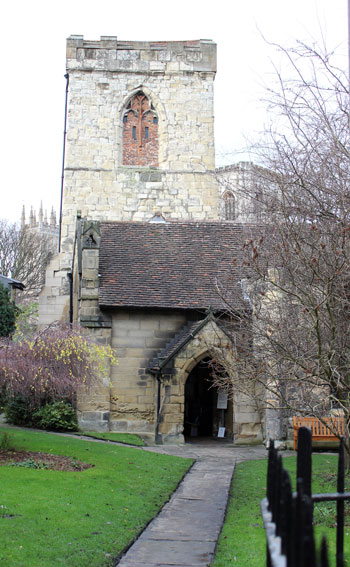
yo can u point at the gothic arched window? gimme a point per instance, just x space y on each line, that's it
229 206
140 132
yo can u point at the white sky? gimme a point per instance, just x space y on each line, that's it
33 36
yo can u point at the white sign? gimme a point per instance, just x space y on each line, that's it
221 432
222 400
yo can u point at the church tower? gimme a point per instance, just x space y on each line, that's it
142 238
139 144
140 138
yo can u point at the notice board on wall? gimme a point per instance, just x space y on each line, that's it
222 400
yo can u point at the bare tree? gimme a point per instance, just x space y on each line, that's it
24 255
297 253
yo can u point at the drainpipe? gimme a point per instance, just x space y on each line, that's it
158 437
70 274
70 278
63 159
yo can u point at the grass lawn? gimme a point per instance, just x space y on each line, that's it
51 518
127 438
242 541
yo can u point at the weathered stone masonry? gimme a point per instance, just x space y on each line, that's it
177 78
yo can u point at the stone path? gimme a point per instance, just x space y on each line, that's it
186 530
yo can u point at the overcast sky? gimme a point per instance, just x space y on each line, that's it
34 33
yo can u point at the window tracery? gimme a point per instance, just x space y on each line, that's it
140 132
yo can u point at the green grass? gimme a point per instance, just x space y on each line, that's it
242 540
51 518
127 438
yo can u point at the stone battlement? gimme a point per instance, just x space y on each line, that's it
111 54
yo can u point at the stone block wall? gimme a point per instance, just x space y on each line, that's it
177 77
137 337
54 298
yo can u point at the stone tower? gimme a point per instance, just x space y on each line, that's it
140 140
105 177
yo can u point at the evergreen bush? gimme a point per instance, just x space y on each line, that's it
53 416
8 312
18 411
56 416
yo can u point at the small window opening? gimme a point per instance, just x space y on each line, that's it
230 206
140 132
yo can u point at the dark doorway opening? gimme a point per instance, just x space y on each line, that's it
200 400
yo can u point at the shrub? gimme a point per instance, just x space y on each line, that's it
26 321
31 464
56 416
8 312
51 365
6 443
18 411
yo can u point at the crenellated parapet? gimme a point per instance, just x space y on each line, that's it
111 54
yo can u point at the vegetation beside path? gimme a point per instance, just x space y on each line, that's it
242 540
125 438
50 518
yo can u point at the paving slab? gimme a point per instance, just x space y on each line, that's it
186 530
133 564
137 564
168 552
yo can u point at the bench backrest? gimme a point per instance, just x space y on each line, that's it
325 428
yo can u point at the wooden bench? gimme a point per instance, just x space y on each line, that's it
321 430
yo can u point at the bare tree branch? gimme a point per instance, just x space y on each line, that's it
299 255
24 255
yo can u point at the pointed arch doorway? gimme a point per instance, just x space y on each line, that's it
202 416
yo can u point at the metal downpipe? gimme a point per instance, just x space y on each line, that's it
63 159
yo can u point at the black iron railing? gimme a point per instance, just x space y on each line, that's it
288 516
